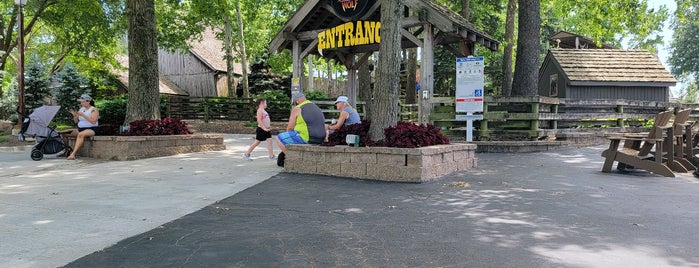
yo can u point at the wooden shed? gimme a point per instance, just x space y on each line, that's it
201 70
165 86
604 74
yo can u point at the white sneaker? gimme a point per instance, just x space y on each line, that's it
272 157
247 157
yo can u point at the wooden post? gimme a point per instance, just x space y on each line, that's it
483 134
535 123
620 120
426 76
351 90
554 110
297 65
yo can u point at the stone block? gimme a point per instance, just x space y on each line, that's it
363 157
337 157
394 173
354 170
391 159
314 156
417 160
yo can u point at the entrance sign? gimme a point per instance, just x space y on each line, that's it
353 33
469 84
469 91
351 9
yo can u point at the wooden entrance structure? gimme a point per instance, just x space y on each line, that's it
425 24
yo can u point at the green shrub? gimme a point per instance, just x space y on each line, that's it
316 95
113 111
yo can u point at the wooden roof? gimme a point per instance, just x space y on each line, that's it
210 51
600 66
314 16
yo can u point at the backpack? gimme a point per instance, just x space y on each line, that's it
280 159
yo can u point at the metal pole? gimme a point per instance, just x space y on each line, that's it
20 67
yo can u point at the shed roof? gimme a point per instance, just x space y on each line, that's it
314 16
582 66
210 51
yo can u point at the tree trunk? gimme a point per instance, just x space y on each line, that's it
386 113
509 46
243 54
228 46
411 69
143 102
364 88
466 9
524 82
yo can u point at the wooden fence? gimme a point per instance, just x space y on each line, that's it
537 117
241 109
504 118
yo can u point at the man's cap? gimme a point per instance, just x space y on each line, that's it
85 97
297 95
342 99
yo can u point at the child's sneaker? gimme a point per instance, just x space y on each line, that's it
247 157
272 157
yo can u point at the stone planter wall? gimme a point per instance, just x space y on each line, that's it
381 163
137 147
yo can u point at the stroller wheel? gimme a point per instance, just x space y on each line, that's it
37 155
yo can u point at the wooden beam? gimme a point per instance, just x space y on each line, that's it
411 22
297 62
291 24
453 50
312 46
411 37
370 12
362 60
426 75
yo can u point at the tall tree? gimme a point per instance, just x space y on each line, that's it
242 50
509 47
684 50
524 82
388 68
143 100
84 32
629 22
466 9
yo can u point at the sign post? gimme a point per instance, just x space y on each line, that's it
469 91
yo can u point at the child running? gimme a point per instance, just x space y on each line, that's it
263 131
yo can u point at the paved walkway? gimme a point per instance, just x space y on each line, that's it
54 211
550 209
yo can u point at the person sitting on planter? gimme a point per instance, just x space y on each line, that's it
306 126
348 116
86 118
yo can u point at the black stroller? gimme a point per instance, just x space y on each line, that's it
48 141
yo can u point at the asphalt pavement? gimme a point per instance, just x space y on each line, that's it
213 209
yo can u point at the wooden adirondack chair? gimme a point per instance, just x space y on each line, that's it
682 142
638 152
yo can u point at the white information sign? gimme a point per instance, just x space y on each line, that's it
469 84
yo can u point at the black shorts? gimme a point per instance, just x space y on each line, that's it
262 135
95 129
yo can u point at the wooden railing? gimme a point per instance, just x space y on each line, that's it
537 117
503 117
242 109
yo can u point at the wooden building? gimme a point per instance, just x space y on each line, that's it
604 74
197 72
201 70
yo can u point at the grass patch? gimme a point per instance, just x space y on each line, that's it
3 140
5 133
